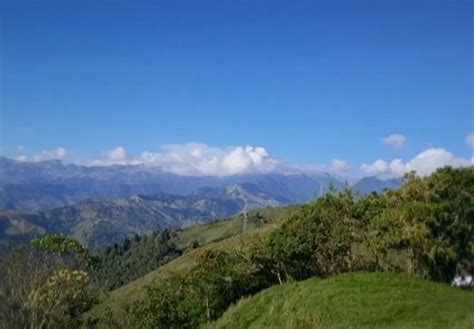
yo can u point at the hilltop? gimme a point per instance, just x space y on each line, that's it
355 300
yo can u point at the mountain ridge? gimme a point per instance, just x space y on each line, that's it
35 186
96 223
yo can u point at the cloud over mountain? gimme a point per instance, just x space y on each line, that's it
116 155
339 166
60 154
424 163
199 159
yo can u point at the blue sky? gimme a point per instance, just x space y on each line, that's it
310 81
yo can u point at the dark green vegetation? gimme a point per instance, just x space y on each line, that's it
356 300
135 257
424 231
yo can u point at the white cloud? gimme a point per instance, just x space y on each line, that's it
203 160
428 161
20 153
57 154
397 141
377 167
424 163
200 159
339 166
117 155
397 168
470 139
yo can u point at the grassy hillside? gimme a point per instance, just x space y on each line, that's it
221 230
360 300
17 228
336 234
220 234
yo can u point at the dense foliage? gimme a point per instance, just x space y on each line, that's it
60 245
202 295
133 258
123 262
423 229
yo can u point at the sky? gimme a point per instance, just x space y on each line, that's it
224 87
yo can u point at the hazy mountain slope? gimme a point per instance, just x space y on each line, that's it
373 184
356 300
99 222
18 228
33 186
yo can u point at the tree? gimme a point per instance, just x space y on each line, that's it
430 221
60 300
45 285
315 240
187 300
64 246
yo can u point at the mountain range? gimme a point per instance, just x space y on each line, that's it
96 223
104 204
34 186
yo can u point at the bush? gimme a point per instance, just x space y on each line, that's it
202 295
315 241
47 285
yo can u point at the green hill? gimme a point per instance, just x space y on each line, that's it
220 234
360 300
338 233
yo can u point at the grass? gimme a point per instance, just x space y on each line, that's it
224 229
358 300
221 234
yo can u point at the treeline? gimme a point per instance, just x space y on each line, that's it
132 258
423 229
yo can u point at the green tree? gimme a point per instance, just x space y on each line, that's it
316 240
430 220
64 246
